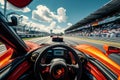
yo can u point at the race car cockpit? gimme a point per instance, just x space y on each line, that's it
26 60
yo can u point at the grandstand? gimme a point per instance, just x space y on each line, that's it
104 22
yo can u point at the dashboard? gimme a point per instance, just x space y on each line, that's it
56 53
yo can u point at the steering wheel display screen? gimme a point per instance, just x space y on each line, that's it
58 52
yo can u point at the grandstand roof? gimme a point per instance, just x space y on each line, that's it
109 8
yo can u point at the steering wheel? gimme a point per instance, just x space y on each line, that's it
58 68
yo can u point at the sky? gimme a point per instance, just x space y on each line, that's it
56 15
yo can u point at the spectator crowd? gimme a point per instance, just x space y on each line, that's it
108 31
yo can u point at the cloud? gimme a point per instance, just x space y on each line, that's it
52 25
24 17
57 28
11 7
39 26
44 14
60 29
61 14
46 28
69 24
2 2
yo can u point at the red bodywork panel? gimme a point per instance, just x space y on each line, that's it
5 58
95 72
111 50
100 56
32 46
19 71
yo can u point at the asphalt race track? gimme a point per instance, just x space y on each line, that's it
70 41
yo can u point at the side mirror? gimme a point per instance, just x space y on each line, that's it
13 22
111 50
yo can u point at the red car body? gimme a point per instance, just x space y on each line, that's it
6 59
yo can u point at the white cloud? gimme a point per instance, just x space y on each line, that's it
52 25
42 27
69 24
39 26
2 2
11 7
61 14
43 13
57 28
24 17
60 29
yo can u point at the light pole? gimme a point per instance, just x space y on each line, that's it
5 6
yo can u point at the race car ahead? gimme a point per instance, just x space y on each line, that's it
57 38
31 61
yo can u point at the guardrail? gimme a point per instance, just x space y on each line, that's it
110 39
115 39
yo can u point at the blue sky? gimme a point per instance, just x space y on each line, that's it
75 9
56 14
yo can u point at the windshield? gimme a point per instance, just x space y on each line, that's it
94 22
